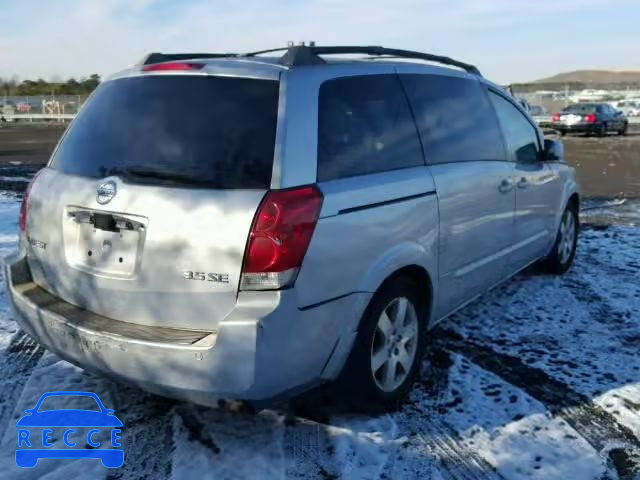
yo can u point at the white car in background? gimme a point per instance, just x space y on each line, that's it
540 115
631 108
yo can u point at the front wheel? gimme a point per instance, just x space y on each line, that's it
388 350
563 252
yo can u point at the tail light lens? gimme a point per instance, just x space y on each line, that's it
556 117
24 207
591 118
279 238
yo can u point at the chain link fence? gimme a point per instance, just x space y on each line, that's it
38 106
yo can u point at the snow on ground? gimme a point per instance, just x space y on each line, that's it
538 379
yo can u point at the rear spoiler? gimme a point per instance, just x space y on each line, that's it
157 57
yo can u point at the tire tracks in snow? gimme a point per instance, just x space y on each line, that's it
432 448
598 307
615 442
308 449
19 360
147 433
417 442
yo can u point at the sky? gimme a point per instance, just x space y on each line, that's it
509 40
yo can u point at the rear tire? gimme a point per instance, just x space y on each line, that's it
563 252
562 133
624 129
602 131
388 350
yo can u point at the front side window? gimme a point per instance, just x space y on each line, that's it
365 126
521 137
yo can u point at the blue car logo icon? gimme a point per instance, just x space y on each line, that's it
81 430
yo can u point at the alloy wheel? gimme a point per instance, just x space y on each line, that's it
394 345
567 236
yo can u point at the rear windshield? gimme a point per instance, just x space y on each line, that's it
581 108
215 132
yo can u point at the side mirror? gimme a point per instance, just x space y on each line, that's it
553 150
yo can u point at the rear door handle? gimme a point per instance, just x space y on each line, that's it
506 185
523 183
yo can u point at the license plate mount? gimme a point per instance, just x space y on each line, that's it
104 243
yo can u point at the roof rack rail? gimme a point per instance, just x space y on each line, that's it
301 55
157 57
304 55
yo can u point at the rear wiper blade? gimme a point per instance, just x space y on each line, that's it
160 174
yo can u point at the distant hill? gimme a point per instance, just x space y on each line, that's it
581 79
599 77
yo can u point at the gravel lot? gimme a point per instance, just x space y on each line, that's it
538 379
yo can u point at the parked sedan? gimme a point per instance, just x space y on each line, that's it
540 115
590 118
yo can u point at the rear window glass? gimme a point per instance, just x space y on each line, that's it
216 132
455 119
581 108
365 126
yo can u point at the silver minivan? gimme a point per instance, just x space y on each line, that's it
250 226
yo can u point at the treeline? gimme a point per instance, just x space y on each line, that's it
84 86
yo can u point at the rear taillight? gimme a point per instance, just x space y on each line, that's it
279 238
590 118
556 117
172 66
24 207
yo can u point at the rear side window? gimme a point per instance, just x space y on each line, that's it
521 136
365 126
455 119
217 132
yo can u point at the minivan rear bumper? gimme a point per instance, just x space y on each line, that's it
266 348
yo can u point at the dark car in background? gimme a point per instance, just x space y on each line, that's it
590 118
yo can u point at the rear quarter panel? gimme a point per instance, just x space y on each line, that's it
355 251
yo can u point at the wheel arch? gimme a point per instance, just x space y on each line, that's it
419 275
574 201
416 272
